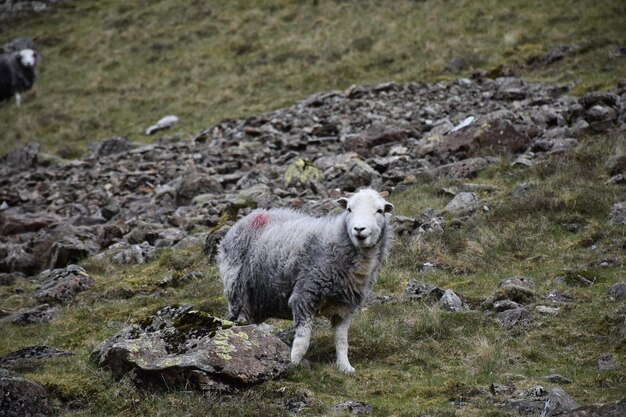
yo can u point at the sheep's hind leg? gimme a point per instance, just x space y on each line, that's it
301 341
341 325
18 99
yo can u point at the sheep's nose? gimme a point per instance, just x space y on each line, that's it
359 229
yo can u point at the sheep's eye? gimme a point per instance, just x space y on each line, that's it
349 210
379 211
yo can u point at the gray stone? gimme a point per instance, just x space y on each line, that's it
40 314
558 402
452 302
111 146
573 279
548 310
463 203
22 398
22 158
617 291
537 401
34 352
13 222
183 347
123 253
510 318
194 184
503 305
607 363
62 284
70 249
559 297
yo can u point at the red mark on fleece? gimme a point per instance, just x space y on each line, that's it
259 219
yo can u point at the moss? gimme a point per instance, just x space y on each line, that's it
301 173
195 319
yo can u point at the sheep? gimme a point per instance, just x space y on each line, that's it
284 264
17 73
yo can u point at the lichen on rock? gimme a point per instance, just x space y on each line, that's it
183 346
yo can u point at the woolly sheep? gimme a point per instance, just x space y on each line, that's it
17 73
284 264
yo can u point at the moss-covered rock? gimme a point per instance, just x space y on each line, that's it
182 346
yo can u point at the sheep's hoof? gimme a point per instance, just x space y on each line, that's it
346 368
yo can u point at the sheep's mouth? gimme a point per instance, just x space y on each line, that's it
361 238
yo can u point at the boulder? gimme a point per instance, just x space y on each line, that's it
452 302
194 184
59 286
182 347
498 137
70 249
22 398
12 222
110 146
22 158
18 258
40 314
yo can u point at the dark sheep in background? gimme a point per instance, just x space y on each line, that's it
17 69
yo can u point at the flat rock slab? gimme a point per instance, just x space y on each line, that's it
20 397
34 352
40 314
181 346
61 285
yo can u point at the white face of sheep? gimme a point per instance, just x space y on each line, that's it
365 217
28 57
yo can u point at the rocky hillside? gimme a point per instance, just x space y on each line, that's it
504 294
139 216
388 136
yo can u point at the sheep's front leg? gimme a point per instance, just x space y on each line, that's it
18 99
341 325
301 341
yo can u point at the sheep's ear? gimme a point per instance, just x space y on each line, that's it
343 202
389 207
384 194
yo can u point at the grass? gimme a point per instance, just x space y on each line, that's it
113 67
